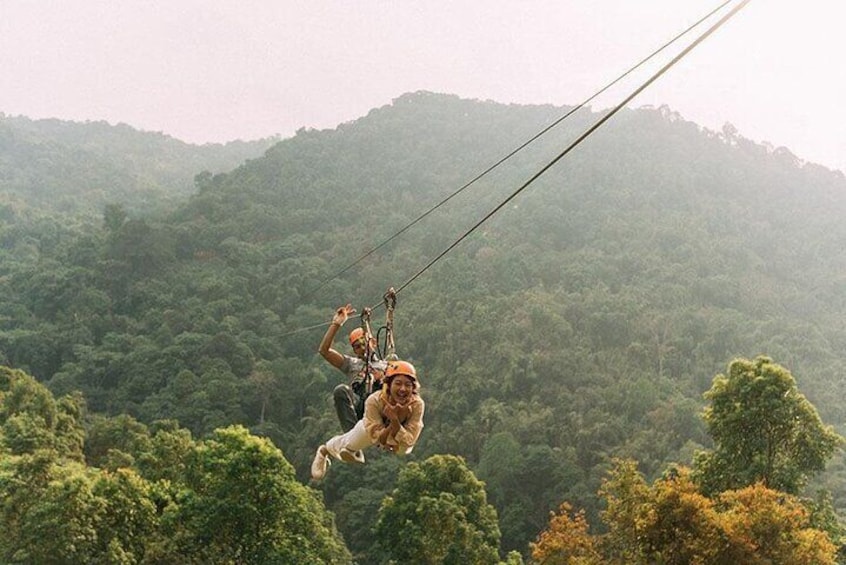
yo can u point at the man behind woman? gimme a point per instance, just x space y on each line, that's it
392 415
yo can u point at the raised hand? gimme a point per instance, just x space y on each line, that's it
342 313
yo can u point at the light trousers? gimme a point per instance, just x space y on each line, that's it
353 440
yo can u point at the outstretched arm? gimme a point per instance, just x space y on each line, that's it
325 348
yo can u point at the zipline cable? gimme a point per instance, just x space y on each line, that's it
367 254
306 329
581 138
569 148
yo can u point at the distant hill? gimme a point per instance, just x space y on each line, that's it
581 323
76 168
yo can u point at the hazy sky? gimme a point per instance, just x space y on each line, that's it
215 70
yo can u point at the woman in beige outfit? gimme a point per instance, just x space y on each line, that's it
393 419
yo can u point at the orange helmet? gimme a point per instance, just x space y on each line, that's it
356 335
400 368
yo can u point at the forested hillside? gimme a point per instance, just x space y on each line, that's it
70 167
582 323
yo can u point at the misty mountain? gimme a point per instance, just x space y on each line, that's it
580 323
76 168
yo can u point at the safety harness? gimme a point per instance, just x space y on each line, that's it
388 351
380 354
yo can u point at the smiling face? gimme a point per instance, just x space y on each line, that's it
401 389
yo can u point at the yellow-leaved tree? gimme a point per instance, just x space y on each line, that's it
739 503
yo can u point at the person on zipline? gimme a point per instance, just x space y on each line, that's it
349 398
393 420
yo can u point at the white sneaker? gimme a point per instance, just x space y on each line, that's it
348 456
320 463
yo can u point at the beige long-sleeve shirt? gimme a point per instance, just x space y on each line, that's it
375 422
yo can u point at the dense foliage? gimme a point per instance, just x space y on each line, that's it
581 323
155 496
49 166
438 513
764 430
739 503
671 522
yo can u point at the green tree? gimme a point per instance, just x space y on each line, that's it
170 450
244 505
764 430
106 437
626 493
438 513
159 498
56 509
32 419
129 520
57 521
